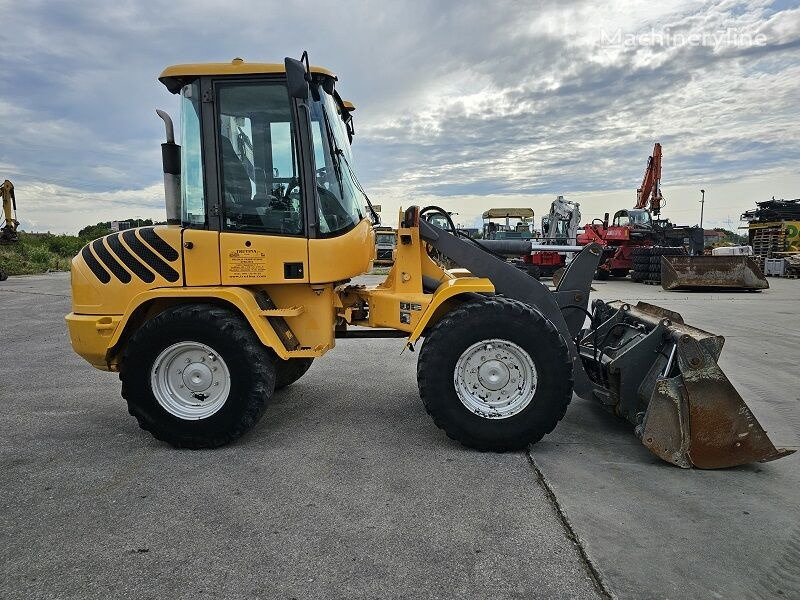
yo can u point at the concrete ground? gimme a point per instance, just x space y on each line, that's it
346 488
657 531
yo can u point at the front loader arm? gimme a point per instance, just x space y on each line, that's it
565 309
642 363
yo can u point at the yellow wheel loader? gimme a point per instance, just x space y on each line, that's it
250 281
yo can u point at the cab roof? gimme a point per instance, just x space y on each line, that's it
176 76
513 213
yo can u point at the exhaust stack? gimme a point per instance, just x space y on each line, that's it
171 159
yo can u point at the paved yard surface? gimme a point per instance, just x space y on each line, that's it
654 530
347 490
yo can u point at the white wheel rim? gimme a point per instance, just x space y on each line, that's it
495 379
190 380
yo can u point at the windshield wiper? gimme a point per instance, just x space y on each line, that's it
340 157
375 218
335 152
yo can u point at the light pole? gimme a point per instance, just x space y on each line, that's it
702 204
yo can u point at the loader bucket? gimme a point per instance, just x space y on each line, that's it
662 375
711 272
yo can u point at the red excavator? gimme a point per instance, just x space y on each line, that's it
630 228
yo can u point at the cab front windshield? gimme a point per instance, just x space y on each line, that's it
634 218
342 203
639 217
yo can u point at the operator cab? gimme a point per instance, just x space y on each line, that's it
265 154
634 218
241 117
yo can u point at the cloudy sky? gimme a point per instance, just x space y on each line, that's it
463 104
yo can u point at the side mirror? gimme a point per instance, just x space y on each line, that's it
376 208
296 78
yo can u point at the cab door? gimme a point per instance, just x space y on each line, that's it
201 257
263 233
200 233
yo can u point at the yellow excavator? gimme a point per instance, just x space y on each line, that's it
250 281
8 232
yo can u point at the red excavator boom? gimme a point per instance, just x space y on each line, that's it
650 190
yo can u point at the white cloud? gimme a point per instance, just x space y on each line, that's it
60 209
457 101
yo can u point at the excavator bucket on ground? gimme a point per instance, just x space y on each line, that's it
711 272
662 375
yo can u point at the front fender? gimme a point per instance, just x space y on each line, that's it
446 291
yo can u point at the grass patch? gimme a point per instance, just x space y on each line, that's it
39 253
43 252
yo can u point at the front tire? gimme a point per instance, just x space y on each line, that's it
495 375
196 376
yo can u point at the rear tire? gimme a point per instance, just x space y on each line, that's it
3 275
289 371
231 378
529 361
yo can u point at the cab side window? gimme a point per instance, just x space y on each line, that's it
258 160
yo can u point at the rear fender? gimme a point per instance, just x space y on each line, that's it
146 304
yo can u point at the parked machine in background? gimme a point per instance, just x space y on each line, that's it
559 227
521 228
8 232
630 228
533 254
385 244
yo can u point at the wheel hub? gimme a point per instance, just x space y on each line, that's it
494 375
190 380
197 377
495 379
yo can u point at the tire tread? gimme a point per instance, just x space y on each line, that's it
506 309
235 329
